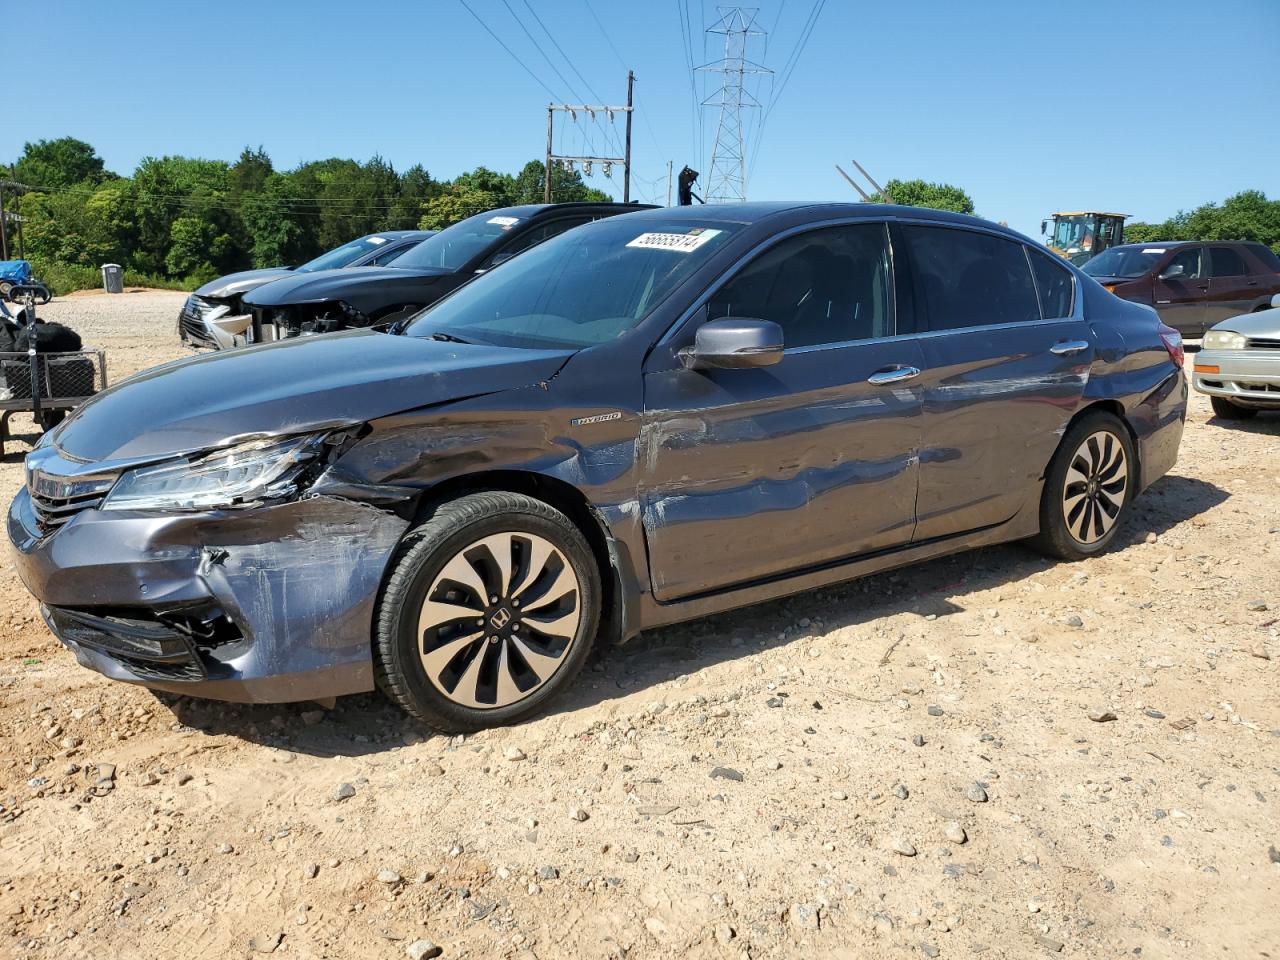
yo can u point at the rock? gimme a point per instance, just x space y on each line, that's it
839 795
1273 854
423 950
976 793
773 763
345 791
724 933
929 950
577 813
548 873
433 769
917 740
1053 946
1073 621
312 717
934 710
901 792
265 943
1260 651
804 916
1102 716
904 847
726 773
1256 606
1153 713
514 754
311 871
955 833
388 876
184 778
226 848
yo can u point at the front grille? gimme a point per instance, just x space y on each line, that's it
1258 387
191 322
1264 343
56 500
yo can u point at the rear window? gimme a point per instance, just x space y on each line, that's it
1055 285
1126 262
969 279
1266 256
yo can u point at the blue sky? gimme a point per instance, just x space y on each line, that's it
1031 106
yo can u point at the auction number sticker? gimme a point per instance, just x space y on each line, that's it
377 239
506 223
1153 249
679 242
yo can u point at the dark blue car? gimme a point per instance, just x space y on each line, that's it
648 419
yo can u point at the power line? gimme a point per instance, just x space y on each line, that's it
510 52
607 39
785 74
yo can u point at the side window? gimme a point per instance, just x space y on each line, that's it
1054 283
382 259
969 279
825 286
1191 261
533 237
1226 262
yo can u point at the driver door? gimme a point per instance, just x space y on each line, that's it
754 473
1182 300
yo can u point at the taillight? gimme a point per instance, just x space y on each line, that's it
1173 343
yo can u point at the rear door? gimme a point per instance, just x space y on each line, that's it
1006 354
1232 290
1182 300
755 473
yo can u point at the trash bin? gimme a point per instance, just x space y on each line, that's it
112 278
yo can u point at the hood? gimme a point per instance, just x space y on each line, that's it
234 284
337 284
1264 323
293 386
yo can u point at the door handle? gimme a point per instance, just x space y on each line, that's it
1205 287
893 375
1068 347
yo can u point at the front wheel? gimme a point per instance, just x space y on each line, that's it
1088 490
489 612
1227 410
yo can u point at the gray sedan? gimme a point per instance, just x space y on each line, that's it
1238 365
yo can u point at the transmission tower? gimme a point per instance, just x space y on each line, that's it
727 181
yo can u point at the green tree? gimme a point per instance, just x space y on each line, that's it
1247 215
566 185
938 196
457 204
64 162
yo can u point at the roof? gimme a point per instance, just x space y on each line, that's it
756 211
1090 213
527 210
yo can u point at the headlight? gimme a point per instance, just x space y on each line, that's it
1223 340
240 477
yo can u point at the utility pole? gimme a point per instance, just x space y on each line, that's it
727 181
4 228
573 109
626 167
668 183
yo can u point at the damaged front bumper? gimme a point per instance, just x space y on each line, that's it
205 323
268 604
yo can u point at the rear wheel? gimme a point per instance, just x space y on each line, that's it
1228 410
489 612
1088 489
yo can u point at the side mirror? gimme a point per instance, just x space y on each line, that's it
1275 301
733 343
1173 272
1044 227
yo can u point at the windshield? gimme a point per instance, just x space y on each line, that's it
343 255
1124 261
1073 234
587 286
454 246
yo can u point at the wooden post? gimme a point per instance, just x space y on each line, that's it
626 163
546 174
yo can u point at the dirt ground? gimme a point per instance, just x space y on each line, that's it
905 765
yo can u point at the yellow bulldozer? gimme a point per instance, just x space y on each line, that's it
1079 236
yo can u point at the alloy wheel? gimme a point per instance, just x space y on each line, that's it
499 620
1097 484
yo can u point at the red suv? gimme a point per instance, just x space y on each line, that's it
1192 285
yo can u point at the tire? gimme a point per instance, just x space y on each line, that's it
460 674
1227 410
1088 489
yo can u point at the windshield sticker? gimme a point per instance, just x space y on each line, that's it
679 242
506 223
377 239
1153 249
